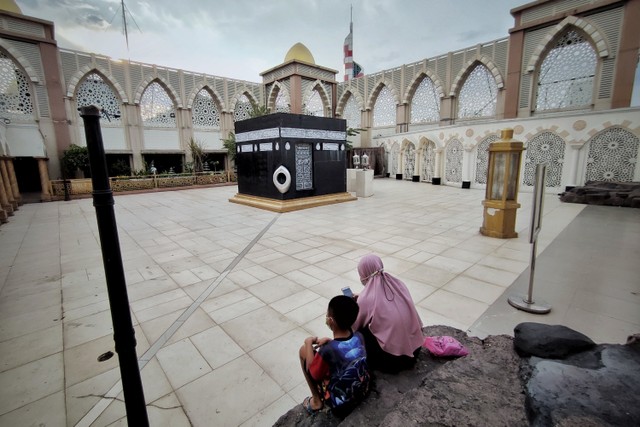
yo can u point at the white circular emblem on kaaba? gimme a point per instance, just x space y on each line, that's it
282 179
287 146
238 148
318 146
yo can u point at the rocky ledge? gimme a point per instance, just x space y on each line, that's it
545 376
607 193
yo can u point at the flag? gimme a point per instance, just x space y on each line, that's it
357 70
351 68
348 54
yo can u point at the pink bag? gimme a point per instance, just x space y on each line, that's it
444 346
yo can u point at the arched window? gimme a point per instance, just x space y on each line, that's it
156 107
546 147
314 105
613 156
243 109
453 168
282 102
425 105
478 95
482 158
351 113
204 112
95 91
384 110
565 78
15 93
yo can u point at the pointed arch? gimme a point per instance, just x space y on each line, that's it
413 86
324 96
547 147
469 67
243 111
376 91
342 102
21 60
408 158
275 91
83 72
427 158
612 155
166 85
243 91
582 25
482 158
214 94
205 108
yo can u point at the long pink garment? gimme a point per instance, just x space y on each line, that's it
387 308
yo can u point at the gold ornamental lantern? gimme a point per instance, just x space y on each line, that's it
501 199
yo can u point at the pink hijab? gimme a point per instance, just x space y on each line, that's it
387 308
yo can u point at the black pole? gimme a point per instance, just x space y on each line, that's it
123 333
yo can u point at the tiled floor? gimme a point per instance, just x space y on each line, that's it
222 295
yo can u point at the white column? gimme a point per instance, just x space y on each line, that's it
572 165
437 176
466 166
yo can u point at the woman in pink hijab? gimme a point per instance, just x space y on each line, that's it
387 318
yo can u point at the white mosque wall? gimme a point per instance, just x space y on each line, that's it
162 140
575 131
26 141
212 140
113 138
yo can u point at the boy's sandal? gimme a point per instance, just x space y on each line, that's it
306 404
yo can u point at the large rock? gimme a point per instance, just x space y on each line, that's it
482 388
598 387
549 341
492 386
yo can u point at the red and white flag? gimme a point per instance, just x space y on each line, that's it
351 68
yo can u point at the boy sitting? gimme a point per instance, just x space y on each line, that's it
336 369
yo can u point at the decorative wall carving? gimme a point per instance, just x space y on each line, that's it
546 147
613 156
453 154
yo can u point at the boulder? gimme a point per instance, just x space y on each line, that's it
548 341
493 386
482 388
598 387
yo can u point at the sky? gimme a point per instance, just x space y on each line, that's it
241 38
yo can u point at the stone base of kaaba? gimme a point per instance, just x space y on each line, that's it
291 204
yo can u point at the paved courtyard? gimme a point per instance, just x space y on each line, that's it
222 295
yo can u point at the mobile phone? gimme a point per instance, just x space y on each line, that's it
347 292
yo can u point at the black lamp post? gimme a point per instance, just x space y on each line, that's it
123 333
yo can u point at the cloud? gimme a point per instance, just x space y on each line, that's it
241 38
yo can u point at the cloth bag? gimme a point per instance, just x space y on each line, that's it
444 346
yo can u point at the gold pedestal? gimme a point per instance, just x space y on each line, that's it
293 204
499 219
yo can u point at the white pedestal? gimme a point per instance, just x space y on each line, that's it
364 183
351 180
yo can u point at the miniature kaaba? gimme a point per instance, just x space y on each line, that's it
287 162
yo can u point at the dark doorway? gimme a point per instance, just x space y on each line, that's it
27 174
164 162
214 161
119 164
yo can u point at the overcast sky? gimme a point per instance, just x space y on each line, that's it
242 38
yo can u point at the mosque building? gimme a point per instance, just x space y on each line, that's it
565 78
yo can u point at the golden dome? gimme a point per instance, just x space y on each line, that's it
299 52
10 6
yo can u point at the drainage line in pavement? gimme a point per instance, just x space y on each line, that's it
99 407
